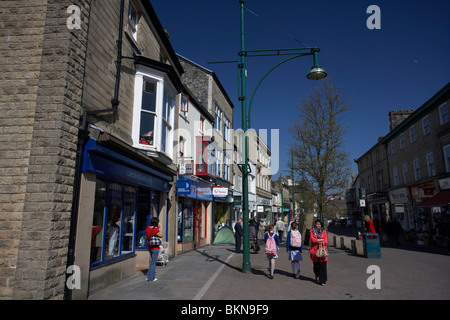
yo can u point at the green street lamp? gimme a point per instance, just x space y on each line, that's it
316 73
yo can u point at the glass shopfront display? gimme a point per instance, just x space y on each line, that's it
121 216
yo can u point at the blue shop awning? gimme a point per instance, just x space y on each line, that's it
104 161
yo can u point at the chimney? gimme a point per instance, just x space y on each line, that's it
396 117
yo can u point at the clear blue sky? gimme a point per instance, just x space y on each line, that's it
399 66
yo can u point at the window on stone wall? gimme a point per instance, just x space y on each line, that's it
153 116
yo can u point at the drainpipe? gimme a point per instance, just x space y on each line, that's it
115 100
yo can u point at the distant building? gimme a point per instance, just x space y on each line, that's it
406 175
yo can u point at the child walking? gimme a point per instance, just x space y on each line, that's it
294 248
272 243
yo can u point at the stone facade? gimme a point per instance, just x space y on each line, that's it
41 67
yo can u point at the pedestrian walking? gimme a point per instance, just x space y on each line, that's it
272 243
238 233
319 238
252 235
280 228
294 248
154 235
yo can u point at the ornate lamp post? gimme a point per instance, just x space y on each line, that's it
316 73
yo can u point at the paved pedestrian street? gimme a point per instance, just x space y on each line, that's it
404 274
214 273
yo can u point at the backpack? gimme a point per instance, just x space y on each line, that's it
271 246
296 239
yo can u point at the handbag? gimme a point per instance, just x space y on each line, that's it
321 252
154 240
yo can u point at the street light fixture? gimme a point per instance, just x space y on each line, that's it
316 73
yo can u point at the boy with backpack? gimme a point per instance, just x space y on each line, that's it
294 248
271 240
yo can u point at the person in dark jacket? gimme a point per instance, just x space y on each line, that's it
238 234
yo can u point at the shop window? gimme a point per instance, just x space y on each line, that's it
129 208
147 207
185 221
113 221
97 222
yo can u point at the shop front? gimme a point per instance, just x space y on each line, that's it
401 209
432 209
264 209
194 212
222 209
379 210
118 196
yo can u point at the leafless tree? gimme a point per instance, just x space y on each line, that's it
319 145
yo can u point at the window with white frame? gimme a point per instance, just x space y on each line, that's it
133 20
426 125
393 148
218 119
226 168
167 122
226 129
153 116
219 162
402 141
405 173
430 164
396 181
412 133
443 113
447 157
416 168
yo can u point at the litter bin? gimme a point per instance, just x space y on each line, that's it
371 243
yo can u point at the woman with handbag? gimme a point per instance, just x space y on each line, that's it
319 252
154 235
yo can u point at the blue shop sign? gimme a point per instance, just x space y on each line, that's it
183 187
104 161
193 188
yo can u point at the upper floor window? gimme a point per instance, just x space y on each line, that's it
426 125
447 157
402 141
133 20
412 133
430 164
218 119
153 116
443 113
226 129
416 167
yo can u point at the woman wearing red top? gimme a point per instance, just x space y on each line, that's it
318 236
369 225
153 229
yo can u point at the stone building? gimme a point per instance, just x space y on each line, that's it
90 92
42 63
406 175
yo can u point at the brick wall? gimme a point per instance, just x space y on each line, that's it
41 78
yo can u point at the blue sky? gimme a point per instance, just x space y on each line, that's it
399 66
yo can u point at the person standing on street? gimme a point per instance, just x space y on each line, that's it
238 234
272 243
318 237
154 229
280 228
294 248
